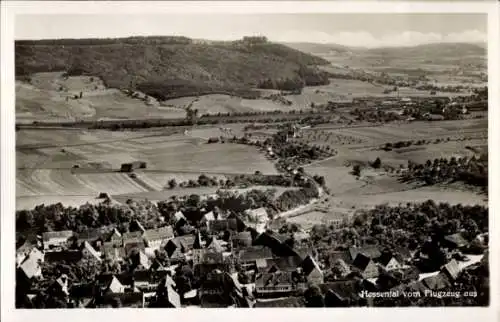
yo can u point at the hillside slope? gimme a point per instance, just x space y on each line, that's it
165 66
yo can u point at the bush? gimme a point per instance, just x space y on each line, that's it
356 170
377 163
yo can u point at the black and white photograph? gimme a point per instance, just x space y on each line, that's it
250 160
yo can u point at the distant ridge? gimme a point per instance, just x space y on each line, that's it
166 66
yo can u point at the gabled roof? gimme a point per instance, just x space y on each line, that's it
309 264
369 251
436 282
215 245
456 239
386 258
115 286
144 260
131 236
31 267
255 252
259 214
347 289
186 242
36 254
173 297
179 215
91 250
452 269
161 233
115 234
244 235
276 279
403 252
303 252
198 243
361 261
284 264
223 224
417 286
25 248
47 236
137 226
91 235
335 255
208 216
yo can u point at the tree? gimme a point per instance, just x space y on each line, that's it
377 163
356 170
172 183
314 297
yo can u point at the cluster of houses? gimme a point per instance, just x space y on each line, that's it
227 261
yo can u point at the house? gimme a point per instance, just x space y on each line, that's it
24 250
115 235
206 261
372 252
436 282
178 216
221 225
389 262
143 261
366 266
166 296
451 270
53 239
344 293
277 284
258 215
136 226
254 257
133 244
127 296
60 287
276 242
312 271
177 247
301 235
206 218
218 290
198 241
215 245
31 268
304 251
89 252
283 264
241 240
94 236
154 238
113 252
455 241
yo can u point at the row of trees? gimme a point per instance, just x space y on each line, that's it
473 171
378 116
242 180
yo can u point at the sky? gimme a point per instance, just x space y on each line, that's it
365 30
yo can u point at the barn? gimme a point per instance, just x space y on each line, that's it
129 167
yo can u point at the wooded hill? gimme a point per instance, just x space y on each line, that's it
167 67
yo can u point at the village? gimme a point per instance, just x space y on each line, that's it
226 259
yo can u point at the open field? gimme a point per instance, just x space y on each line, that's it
46 171
202 191
51 96
30 202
